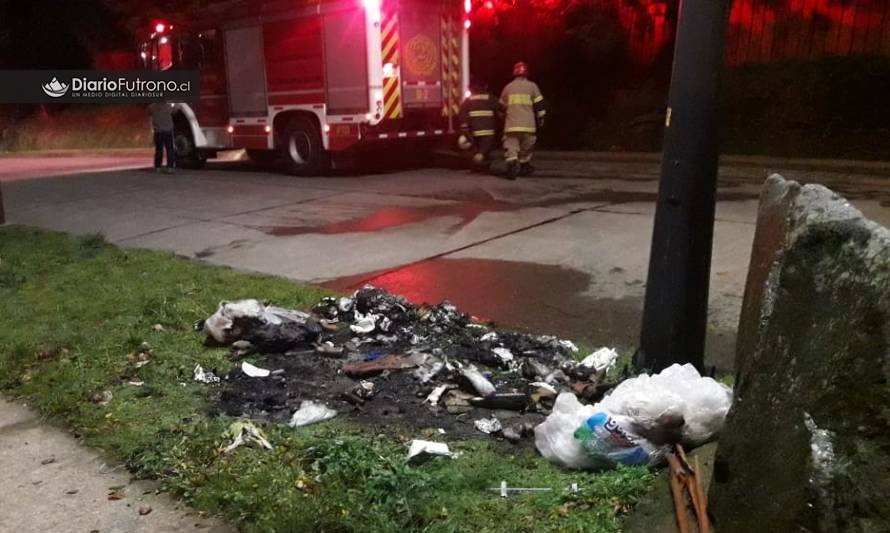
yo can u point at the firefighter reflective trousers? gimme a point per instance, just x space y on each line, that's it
519 145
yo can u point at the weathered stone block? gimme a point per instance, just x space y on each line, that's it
806 446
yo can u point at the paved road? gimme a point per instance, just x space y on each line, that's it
564 253
15 168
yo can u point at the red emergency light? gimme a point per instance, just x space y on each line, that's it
160 27
468 6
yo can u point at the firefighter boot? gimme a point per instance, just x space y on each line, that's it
512 169
526 169
478 164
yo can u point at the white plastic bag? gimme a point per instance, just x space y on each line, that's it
311 412
676 395
219 326
635 421
555 437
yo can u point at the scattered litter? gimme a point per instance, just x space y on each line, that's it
510 401
204 376
428 370
458 402
636 422
433 398
504 354
48 461
310 413
157 328
242 348
365 390
102 398
254 371
136 383
329 348
140 358
516 433
488 425
364 323
270 329
410 351
505 491
144 511
245 431
482 385
72 492
569 345
546 386
421 450
377 366
602 359
117 493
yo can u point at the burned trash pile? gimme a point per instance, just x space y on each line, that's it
387 362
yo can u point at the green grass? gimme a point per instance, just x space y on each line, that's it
73 314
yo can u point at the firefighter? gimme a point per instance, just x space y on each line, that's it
478 123
523 107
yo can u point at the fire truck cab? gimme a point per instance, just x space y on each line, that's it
306 79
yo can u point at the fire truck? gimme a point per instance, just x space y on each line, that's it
306 80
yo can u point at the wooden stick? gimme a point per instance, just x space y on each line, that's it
677 493
704 522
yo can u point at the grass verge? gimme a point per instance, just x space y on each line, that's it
74 311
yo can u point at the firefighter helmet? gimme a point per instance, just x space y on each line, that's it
520 69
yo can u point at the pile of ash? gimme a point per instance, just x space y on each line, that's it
387 362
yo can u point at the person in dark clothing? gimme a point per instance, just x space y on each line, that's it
162 125
478 123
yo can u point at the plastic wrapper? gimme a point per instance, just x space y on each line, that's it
310 413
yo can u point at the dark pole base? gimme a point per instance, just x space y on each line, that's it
676 305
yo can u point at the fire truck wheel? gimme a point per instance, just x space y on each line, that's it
302 149
187 155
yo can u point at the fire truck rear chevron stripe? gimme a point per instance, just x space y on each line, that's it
446 66
451 67
389 39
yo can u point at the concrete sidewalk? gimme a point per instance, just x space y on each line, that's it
53 483
564 253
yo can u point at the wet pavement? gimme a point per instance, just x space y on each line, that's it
564 252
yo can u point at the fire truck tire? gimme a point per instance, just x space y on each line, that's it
187 154
301 148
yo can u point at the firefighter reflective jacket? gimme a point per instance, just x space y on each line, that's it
477 115
523 105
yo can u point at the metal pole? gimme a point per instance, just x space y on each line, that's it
676 305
